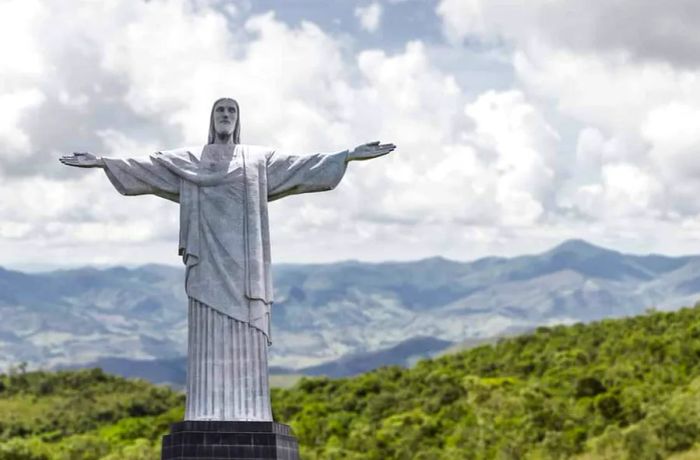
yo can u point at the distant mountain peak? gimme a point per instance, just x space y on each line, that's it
438 260
579 246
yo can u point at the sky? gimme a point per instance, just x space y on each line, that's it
518 124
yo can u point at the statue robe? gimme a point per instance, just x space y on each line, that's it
225 245
224 233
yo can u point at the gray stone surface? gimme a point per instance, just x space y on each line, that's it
227 375
223 190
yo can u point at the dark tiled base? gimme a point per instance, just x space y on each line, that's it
191 440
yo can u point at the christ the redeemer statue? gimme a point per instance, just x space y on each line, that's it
223 190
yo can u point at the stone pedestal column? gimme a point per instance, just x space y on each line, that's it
198 440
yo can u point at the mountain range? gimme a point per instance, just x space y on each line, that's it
339 318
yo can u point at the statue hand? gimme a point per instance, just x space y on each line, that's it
371 150
82 160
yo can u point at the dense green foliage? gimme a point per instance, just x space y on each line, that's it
616 389
82 415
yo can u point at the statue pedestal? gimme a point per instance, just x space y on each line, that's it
195 440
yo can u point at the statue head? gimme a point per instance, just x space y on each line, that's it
225 120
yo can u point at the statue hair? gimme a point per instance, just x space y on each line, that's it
236 129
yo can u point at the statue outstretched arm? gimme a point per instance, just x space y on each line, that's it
82 160
132 176
369 151
289 174
294 174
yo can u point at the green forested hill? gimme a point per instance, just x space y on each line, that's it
615 389
82 415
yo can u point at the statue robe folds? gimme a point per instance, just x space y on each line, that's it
225 245
224 232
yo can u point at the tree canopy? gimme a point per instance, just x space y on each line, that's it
615 389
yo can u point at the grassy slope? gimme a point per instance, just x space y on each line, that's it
82 415
611 390
614 389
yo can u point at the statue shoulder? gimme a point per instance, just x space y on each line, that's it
187 154
255 153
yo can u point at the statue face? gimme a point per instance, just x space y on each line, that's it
225 117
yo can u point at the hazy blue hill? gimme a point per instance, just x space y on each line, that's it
325 312
52 287
173 371
592 261
420 284
662 264
17 288
403 354
165 371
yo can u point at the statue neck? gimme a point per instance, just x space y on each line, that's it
223 138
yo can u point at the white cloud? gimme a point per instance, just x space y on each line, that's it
20 55
462 18
370 16
474 173
626 73
12 107
624 191
672 132
640 29
21 64
523 148
159 65
645 108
